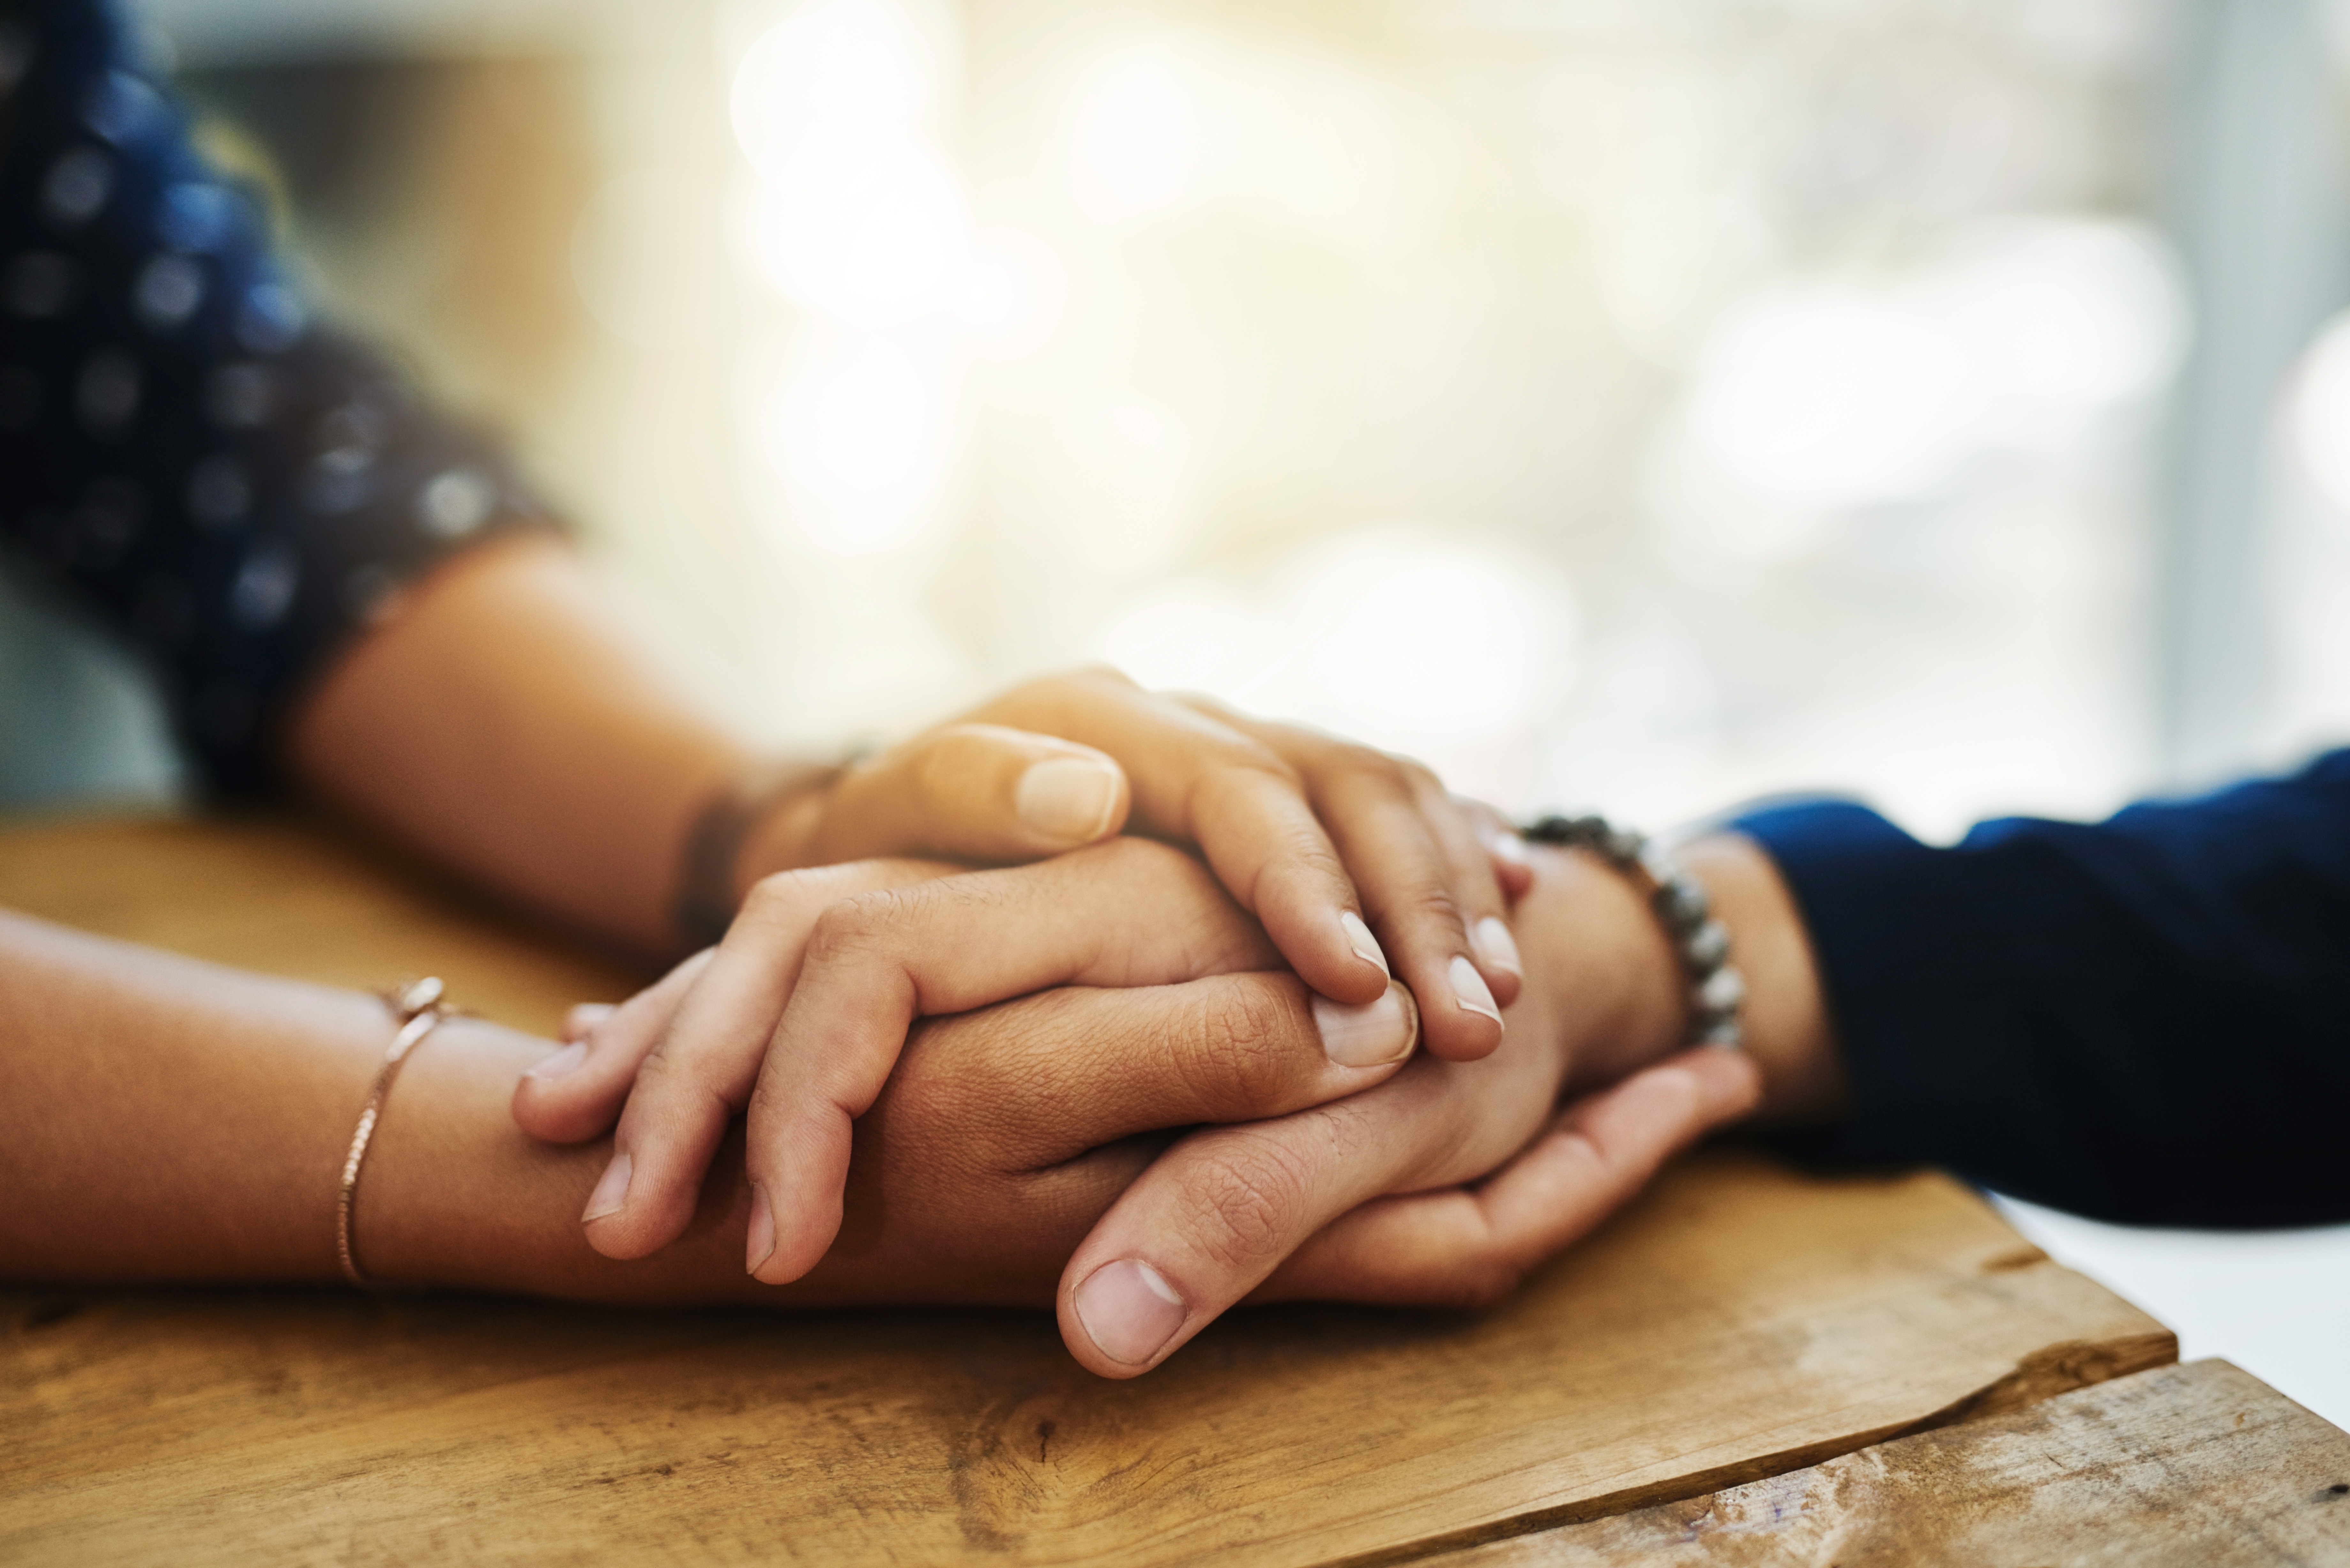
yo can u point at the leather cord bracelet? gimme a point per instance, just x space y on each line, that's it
706 899
1717 991
416 1009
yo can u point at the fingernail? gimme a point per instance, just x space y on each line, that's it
1509 847
610 1192
1469 989
1365 945
1067 798
1129 1310
560 1062
1368 1036
582 1020
761 1245
1500 948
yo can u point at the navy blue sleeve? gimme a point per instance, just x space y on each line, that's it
2142 1020
236 490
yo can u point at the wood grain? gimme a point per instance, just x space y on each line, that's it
1741 1322
2200 1466
303 902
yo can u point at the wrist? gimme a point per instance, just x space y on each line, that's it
455 1195
1788 1032
783 827
765 820
1620 992
1605 965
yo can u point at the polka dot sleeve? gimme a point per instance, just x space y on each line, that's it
234 487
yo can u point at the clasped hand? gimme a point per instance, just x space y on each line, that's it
1112 1080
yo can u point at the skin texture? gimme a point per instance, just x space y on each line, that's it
1304 1204
499 722
162 1118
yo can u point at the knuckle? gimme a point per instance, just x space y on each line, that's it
672 1085
1241 1198
1420 777
1364 768
776 898
1424 902
1129 858
855 929
939 764
1239 1055
1098 675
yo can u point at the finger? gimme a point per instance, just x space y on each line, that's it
1477 884
581 1021
1514 863
576 1092
1120 914
1428 891
1469 1246
1219 1211
1197 780
685 1083
1475 887
1042 1110
978 792
1072 1070
1411 893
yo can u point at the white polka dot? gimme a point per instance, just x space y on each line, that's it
106 395
270 318
218 492
240 397
120 107
169 289
455 502
40 286
76 187
264 590
353 427
194 216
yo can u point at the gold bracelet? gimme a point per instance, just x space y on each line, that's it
418 1010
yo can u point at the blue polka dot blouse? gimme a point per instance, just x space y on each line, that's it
234 487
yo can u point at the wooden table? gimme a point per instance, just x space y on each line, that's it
1745 1349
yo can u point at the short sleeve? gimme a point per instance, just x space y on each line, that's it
234 487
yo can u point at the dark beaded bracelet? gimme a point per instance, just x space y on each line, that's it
1717 991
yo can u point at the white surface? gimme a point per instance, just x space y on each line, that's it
2275 1302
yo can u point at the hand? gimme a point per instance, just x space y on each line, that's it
1006 1134
1303 1205
884 942
1348 857
1363 1199
884 958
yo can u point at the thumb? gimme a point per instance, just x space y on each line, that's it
975 792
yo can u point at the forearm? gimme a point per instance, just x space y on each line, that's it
502 724
166 1119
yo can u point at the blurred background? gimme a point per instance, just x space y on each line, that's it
1640 403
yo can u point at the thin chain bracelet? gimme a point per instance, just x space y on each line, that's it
1717 991
416 1009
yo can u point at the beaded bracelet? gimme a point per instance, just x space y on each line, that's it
416 1009
1717 991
